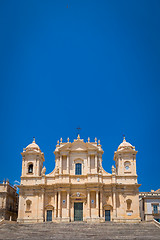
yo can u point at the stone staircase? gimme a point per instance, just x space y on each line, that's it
79 230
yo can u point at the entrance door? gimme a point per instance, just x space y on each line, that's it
107 215
49 215
78 211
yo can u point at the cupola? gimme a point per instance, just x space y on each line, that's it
125 145
33 146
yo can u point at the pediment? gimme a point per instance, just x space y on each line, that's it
78 195
81 146
78 146
91 146
49 206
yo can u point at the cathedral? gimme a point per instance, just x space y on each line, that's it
78 189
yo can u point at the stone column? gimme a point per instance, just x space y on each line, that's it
55 204
114 202
68 204
72 212
96 162
89 204
89 163
42 205
97 202
37 169
101 204
59 204
60 167
68 163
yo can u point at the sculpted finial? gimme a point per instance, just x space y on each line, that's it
78 136
34 140
98 142
113 169
68 140
60 140
95 139
88 139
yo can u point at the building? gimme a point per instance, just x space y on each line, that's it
79 189
8 201
150 205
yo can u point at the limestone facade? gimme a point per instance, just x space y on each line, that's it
8 201
79 189
150 205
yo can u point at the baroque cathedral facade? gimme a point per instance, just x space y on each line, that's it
79 189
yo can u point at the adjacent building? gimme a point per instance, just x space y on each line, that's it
150 205
79 189
8 201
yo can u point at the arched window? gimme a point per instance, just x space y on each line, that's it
30 168
78 169
127 165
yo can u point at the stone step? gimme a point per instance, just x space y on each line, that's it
78 231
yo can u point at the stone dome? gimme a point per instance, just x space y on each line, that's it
33 146
124 145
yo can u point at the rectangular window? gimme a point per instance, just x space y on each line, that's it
78 169
155 208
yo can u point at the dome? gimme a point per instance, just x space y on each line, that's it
33 145
124 145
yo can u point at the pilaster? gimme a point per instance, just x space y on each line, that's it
55 205
101 203
97 202
114 203
89 163
96 163
68 170
59 204
68 205
88 204
60 165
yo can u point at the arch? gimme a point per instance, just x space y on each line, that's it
78 197
30 167
127 163
78 160
49 206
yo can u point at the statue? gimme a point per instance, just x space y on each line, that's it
57 170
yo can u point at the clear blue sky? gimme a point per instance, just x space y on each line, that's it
93 64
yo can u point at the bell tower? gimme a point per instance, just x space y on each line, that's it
32 160
125 159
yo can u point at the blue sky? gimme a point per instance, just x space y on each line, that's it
93 64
